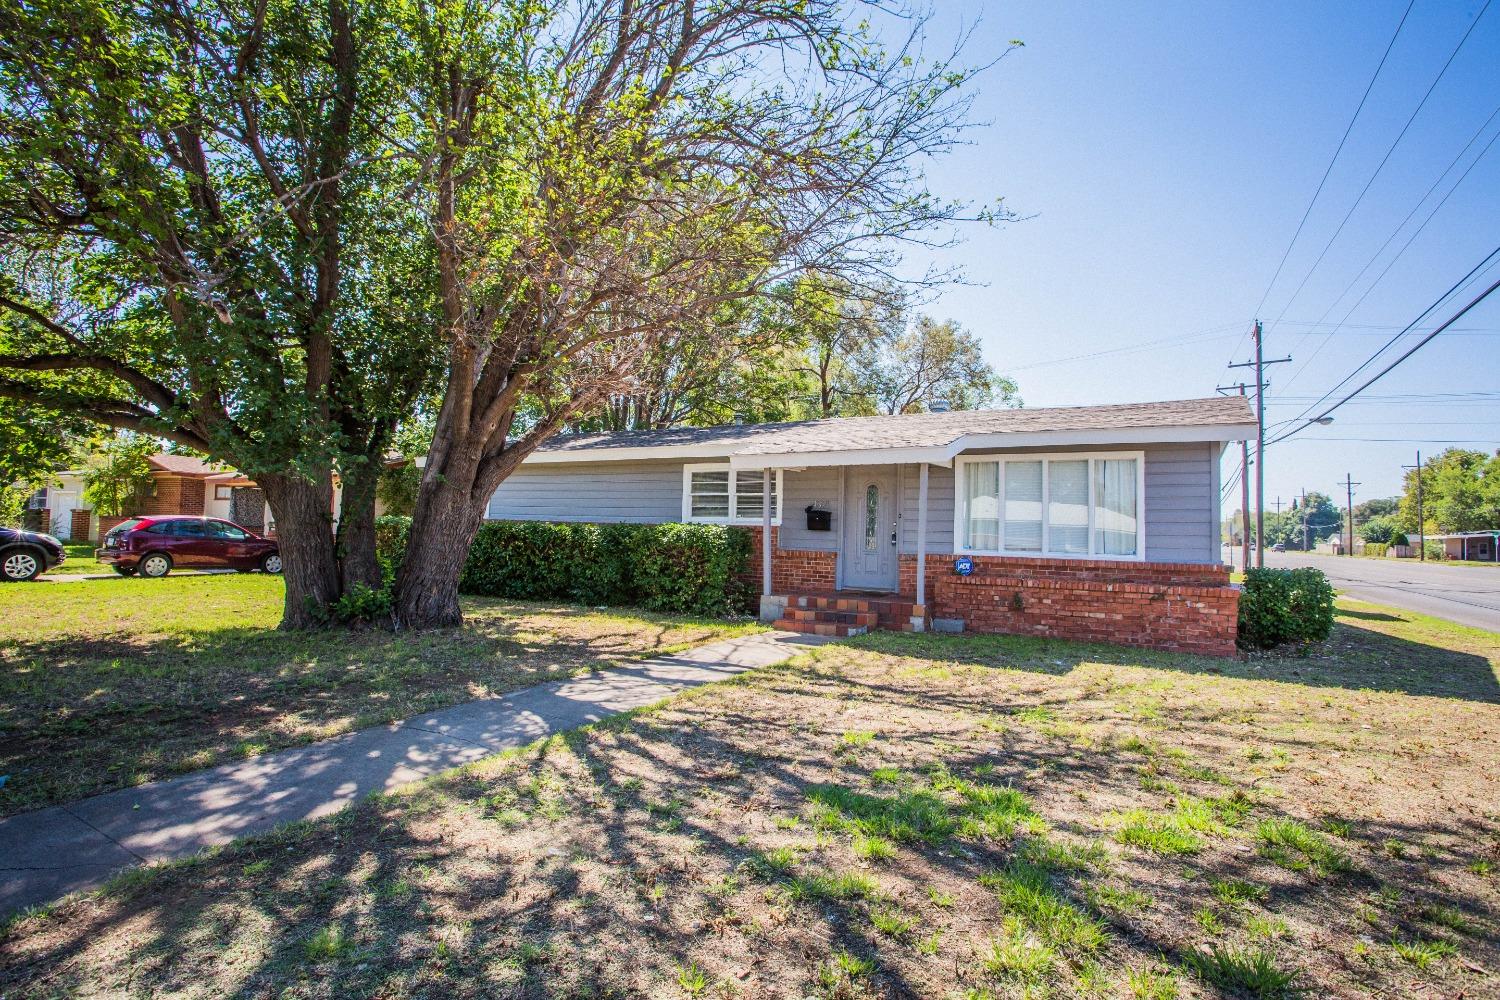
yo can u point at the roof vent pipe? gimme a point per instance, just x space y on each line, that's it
938 406
739 419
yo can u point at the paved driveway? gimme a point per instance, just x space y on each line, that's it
1469 595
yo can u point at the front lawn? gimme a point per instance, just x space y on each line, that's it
107 683
80 559
890 816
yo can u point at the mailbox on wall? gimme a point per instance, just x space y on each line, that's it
819 520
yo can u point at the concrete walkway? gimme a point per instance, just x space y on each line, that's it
51 852
73 577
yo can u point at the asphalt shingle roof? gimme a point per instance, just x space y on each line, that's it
184 465
916 430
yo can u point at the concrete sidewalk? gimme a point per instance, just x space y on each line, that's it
51 852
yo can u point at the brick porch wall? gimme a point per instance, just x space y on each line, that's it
1172 606
79 525
792 570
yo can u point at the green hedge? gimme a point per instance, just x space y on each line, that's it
680 568
1280 606
390 542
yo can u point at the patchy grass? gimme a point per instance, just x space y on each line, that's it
109 683
734 842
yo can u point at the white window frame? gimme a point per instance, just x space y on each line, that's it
687 494
961 503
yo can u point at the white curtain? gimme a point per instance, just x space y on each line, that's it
982 501
1023 506
1114 507
1068 507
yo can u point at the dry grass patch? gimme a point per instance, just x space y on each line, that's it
109 683
720 846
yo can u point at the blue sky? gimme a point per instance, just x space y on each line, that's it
1165 153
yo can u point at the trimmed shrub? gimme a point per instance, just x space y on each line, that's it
1375 548
682 568
690 567
1279 606
391 531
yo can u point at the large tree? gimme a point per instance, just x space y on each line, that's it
1460 492
604 176
936 362
204 236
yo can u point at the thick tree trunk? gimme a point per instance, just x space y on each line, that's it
446 519
304 533
355 542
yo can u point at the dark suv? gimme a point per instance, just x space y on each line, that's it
153 545
26 554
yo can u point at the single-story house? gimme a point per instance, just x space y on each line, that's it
180 484
1093 522
1479 546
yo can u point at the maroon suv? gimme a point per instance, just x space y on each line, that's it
153 545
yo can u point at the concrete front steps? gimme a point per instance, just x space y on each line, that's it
845 614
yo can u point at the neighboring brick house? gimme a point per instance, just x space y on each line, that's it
1095 522
180 484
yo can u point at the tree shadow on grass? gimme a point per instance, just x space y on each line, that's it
83 715
1354 658
390 897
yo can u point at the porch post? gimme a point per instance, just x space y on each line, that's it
765 532
922 535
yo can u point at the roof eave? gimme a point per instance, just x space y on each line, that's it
942 455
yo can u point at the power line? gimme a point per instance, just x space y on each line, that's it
1410 351
1404 330
1212 333
1327 338
1385 159
1329 169
1317 440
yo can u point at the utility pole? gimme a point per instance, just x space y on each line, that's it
1305 545
1278 506
1421 521
1260 437
1244 487
1349 485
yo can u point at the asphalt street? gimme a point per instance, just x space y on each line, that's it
1469 595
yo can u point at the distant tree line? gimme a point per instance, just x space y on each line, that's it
1460 492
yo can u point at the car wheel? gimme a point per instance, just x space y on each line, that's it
156 565
125 570
18 565
271 563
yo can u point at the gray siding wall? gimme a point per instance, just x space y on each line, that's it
1182 501
820 488
627 492
939 508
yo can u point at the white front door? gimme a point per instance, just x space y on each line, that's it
869 554
62 503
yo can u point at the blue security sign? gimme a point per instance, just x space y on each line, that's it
963 565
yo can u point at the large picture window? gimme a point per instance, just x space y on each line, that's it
1070 505
714 494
